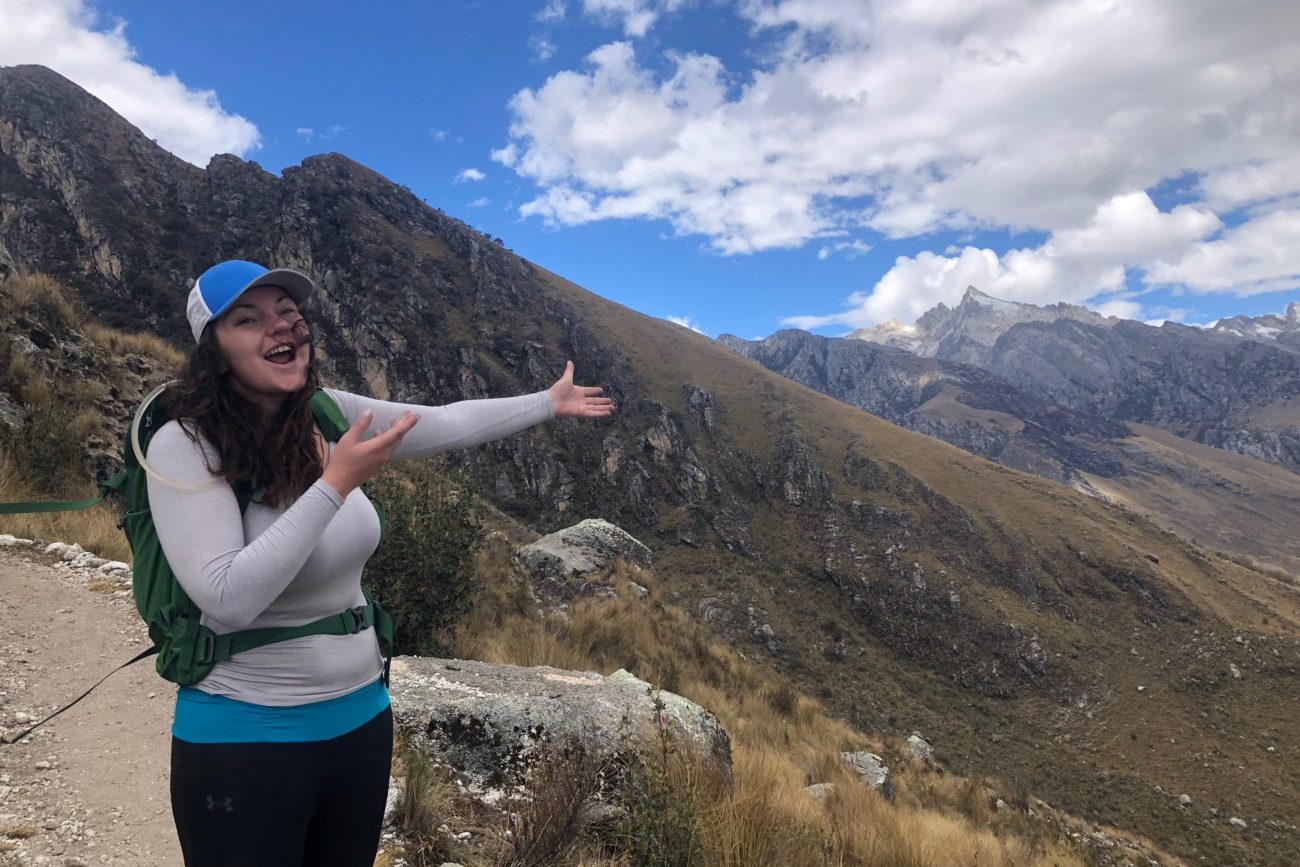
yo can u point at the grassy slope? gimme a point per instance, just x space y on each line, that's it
1099 745
75 397
1224 501
781 742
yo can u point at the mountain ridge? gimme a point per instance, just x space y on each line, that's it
1222 387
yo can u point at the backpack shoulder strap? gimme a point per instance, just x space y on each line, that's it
328 416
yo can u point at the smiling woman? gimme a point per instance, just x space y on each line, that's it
265 317
280 755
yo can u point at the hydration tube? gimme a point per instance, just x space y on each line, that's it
139 452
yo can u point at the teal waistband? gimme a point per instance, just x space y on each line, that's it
216 719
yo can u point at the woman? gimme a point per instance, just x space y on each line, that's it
280 756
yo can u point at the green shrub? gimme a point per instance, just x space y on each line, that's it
423 571
660 823
48 457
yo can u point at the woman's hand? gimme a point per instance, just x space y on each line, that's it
578 401
354 461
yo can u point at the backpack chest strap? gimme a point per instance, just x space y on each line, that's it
219 648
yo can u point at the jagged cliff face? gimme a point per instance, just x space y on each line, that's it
1234 387
1238 395
958 403
898 576
966 333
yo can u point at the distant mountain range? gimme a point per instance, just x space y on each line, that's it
1110 406
1283 329
968 331
1235 387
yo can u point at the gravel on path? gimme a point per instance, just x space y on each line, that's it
89 787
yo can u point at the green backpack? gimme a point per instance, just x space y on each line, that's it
187 651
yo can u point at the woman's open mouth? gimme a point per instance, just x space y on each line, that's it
282 354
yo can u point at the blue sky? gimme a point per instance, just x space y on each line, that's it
747 166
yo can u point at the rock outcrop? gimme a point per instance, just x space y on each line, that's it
492 723
585 547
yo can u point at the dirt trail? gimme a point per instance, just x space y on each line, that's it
90 787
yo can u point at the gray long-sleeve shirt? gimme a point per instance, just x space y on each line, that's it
285 567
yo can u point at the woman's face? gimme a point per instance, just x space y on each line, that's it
266 343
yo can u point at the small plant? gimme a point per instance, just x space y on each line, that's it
49 459
783 700
563 790
660 822
427 801
423 571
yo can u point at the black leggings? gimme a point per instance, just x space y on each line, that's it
316 804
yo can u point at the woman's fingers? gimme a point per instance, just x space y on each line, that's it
390 439
358 427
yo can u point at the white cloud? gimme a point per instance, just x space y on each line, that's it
1073 265
636 17
542 46
470 174
850 249
912 117
66 36
685 322
1121 309
1260 256
481 202
552 11
438 134
306 132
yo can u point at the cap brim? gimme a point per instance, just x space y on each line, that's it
299 286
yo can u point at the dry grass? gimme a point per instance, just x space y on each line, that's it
429 796
20 832
782 741
65 413
95 529
546 828
133 343
42 296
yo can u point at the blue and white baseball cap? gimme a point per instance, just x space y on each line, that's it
218 287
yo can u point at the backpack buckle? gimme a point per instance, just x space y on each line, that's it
358 619
207 648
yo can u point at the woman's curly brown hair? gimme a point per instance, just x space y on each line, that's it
279 455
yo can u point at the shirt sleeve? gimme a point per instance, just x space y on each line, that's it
201 530
453 426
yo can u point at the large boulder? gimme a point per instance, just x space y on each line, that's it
491 723
582 548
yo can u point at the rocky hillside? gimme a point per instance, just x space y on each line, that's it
958 403
1042 636
1225 388
1231 503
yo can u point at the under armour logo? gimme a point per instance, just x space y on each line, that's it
228 803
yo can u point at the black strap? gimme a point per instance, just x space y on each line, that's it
142 655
